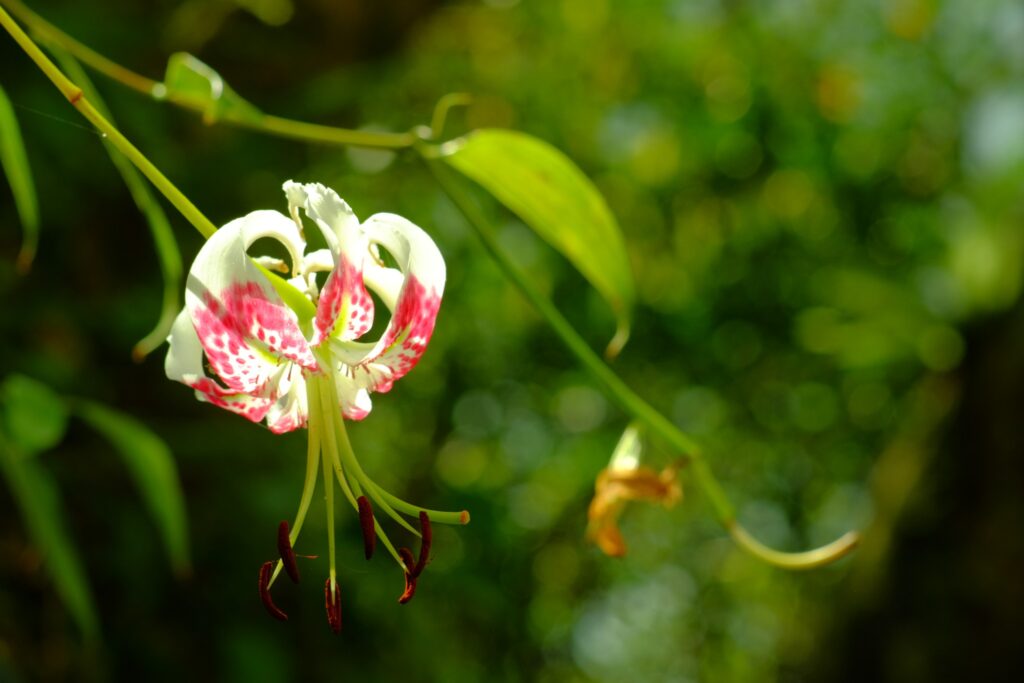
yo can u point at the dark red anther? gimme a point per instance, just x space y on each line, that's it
428 537
268 602
333 605
366 521
284 548
410 577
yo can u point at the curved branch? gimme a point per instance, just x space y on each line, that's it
808 559
274 125
622 394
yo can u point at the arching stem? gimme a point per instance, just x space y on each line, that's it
621 393
76 97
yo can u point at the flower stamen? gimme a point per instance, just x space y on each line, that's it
332 602
414 569
284 548
410 577
366 522
268 602
428 537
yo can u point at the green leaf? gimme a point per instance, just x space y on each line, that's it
36 497
168 254
15 164
552 195
151 465
189 80
35 417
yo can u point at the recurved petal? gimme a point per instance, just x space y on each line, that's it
354 399
345 310
244 327
289 411
331 213
415 307
184 364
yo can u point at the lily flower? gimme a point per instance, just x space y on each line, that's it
625 480
288 350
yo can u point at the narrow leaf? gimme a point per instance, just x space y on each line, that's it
151 465
35 417
15 164
167 251
552 195
193 82
36 498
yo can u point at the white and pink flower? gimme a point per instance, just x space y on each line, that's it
262 334
283 343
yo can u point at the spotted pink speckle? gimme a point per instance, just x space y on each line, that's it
243 317
344 300
413 324
250 407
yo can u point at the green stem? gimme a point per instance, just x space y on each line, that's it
274 125
77 98
328 408
621 393
314 132
49 33
811 559
309 484
328 494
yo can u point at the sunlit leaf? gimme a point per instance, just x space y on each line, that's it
163 237
628 450
553 196
36 498
189 80
19 175
151 465
34 416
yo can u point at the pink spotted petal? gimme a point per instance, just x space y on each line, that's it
184 364
416 306
253 408
243 325
345 310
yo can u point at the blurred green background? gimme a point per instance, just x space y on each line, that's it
823 207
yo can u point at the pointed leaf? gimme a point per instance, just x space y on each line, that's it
191 81
36 498
35 417
628 451
167 251
151 465
553 196
15 164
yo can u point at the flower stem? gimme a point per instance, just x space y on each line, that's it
76 97
274 125
327 407
343 448
329 498
309 484
622 394
810 559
